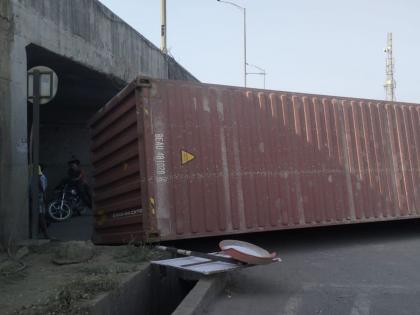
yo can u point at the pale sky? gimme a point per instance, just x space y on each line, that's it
325 46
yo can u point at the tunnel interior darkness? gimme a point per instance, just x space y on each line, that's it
64 121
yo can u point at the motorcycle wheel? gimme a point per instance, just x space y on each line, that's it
59 213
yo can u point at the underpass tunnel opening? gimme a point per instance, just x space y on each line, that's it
64 130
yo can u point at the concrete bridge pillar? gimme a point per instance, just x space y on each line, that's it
13 132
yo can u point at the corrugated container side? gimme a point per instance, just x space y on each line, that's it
116 140
225 160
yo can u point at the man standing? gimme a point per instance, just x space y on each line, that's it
77 179
43 183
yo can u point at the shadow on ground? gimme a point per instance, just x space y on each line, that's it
79 228
315 238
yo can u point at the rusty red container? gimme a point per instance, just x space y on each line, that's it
180 160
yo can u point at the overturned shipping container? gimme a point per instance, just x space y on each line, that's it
179 160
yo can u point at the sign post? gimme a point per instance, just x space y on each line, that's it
42 87
35 155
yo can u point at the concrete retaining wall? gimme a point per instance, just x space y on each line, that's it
149 291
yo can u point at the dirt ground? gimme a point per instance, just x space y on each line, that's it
34 284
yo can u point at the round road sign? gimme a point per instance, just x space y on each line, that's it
48 82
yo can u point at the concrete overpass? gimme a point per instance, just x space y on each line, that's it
94 54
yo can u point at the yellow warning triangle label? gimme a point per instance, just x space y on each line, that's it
186 157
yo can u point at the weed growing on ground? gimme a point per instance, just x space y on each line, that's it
107 269
11 270
13 277
136 254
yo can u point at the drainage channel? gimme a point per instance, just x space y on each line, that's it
156 290
169 287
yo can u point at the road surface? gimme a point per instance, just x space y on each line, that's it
356 270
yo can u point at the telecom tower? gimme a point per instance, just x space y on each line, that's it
390 84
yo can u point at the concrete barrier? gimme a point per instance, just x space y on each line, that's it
131 297
201 295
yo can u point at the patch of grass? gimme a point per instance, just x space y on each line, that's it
12 271
13 278
136 254
85 288
94 270
68 299
107 269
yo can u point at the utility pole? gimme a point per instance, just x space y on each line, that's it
163 28
244 32
244 46
390 83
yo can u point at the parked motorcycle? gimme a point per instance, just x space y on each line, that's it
66 203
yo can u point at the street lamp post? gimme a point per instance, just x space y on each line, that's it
262 72
244 12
